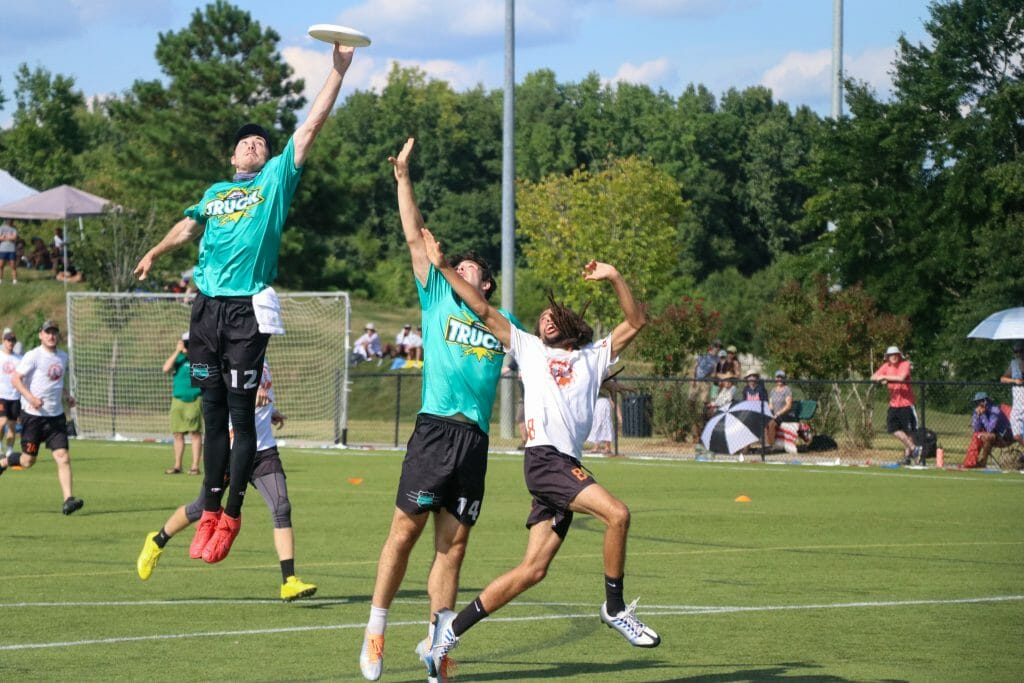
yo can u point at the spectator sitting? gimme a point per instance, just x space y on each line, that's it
39 259
990 425
415 346
754 390
400 349
72 275
781 402
726 394
367 347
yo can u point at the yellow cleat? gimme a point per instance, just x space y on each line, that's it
148 557
294 588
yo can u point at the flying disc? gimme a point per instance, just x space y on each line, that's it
342 35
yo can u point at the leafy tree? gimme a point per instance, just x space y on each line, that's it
626 215
112 246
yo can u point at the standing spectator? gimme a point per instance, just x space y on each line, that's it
367 346
901 420
39 378
781 402
269 479
703 372
733 362
602 430
1014 376
10 399
990 425
186 408
241 221
9 250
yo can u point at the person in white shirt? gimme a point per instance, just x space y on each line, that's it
9 250
10 399
269 479
367 346
562 371
39 378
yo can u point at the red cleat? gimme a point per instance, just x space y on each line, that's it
220 544
204 531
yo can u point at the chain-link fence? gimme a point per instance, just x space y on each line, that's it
844 423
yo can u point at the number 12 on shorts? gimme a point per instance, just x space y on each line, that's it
474 508
250 379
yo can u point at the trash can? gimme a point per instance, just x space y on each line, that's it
636 415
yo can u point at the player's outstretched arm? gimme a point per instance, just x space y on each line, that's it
183 231
412 220
635 318
495 321
307 131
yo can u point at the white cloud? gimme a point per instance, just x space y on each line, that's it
802 76
655 73
694 9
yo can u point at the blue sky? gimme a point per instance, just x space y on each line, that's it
783 44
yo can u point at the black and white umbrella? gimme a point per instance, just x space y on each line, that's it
736 427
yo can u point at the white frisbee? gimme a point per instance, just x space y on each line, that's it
342 35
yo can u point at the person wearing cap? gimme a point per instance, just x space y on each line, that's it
10 399
1014 376
400 349
991 426
901 419
186 409
780 401
753 388
39 378
447 452
367 347
241 221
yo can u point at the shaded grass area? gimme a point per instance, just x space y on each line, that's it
828 574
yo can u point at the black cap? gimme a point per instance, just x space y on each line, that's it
253 129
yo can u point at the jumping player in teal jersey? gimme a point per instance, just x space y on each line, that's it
446 457
241 223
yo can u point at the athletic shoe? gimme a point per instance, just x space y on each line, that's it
295 588
204 532
149 556
444 642
916 455
371 656
631 628
220 543
72 504
423 652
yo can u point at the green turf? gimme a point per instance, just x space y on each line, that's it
828 574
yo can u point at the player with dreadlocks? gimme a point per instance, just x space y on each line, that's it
562 370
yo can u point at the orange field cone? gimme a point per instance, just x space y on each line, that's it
742 499
355 481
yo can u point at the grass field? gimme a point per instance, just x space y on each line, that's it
828 574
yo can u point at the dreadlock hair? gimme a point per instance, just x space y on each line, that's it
574 330
485 270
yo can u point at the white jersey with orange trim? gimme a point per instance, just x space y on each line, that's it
8 364
560 389
42 372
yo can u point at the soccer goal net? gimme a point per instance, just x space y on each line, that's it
118 343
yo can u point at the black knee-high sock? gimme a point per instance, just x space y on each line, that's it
215 445
243 449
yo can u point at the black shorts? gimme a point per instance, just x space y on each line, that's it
10 409
445 466
268 461
554 479
36 429
901 420
225 343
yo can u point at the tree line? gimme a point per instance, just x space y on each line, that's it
709 203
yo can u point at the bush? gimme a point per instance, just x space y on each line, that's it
676 415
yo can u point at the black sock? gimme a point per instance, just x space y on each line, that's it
613 595
215 446
161 538
14 459
287 569
465 619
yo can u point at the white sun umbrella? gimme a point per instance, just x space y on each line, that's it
1006 324
736 427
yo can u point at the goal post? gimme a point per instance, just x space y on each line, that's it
118 342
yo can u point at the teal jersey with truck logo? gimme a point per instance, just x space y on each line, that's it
243 222
461 358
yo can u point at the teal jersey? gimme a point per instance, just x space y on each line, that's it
461 358
243 223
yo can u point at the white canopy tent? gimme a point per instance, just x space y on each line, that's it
61 202
12 189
